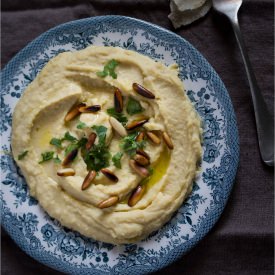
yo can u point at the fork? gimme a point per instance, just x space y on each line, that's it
264 121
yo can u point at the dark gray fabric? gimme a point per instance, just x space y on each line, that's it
242 240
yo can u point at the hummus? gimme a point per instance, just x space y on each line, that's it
63 128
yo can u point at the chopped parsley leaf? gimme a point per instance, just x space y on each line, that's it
98 156
133 106
70 148
22 155
81 125
82 142
75 145
129 144
56 142
116 159
109 69
102 74
101 133
69 137
46 156
56 159
119 116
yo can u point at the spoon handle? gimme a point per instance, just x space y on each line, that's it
264 121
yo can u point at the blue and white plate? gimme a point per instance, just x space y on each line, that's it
44 238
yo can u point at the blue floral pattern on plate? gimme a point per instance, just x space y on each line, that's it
43 237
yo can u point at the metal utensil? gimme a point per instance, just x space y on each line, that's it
264 121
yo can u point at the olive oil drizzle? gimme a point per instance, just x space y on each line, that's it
159 170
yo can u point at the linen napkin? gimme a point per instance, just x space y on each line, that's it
184 12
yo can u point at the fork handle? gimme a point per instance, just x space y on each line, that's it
264 121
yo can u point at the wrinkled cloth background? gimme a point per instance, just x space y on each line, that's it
242 240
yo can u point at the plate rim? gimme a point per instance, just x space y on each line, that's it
178 252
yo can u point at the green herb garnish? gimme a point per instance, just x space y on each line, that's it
75 145
56 159
82 142
129 144
133 106
46 156
98 156
109 69
102 74
22 155
81 125
56 142
70 148
119 116
101 133
69 137
116 159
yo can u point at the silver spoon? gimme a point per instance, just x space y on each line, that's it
264 121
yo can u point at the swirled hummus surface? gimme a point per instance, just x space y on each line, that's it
71 103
